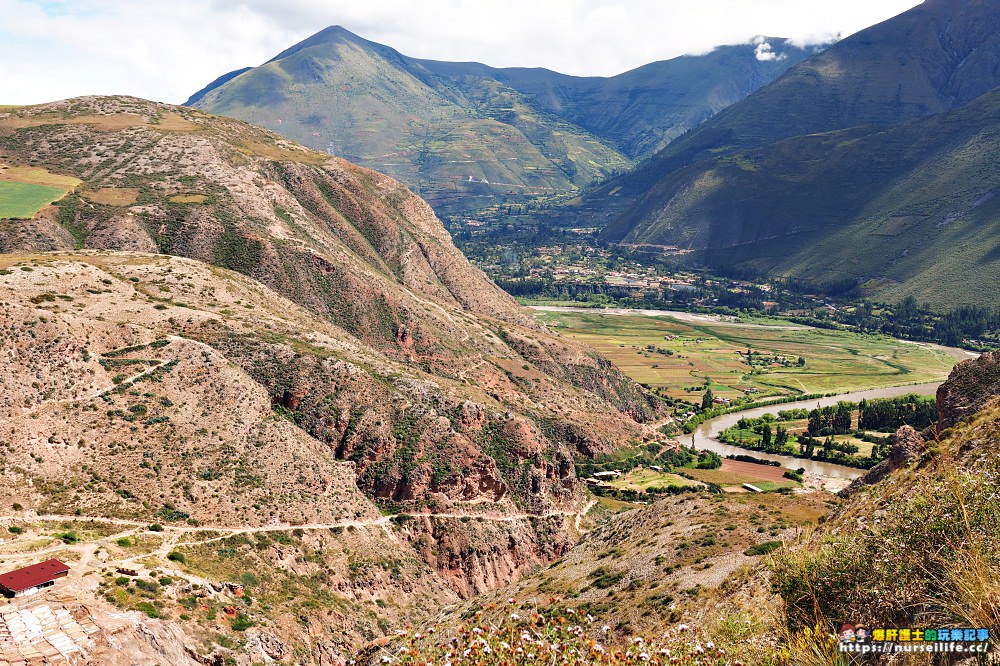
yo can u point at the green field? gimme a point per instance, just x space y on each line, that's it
688 356
642 479
24 200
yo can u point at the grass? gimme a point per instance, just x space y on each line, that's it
24 200
642 479
113 196
736 479
676 356
24 191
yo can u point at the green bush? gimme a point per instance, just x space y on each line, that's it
147 608
242 622
175 556
763 548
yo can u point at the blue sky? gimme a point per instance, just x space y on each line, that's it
166 50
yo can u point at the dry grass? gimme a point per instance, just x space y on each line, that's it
282 154
189 198
36 176
112 196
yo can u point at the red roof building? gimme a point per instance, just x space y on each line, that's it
22 581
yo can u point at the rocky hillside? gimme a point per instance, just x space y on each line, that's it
320 365
467 136
160 406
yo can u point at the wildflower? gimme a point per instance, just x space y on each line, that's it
510 600
644 656
386 659
682 627
570 611
515 617
590 618
605 628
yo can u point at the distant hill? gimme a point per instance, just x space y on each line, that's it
813 176
933 58
466 136
908 210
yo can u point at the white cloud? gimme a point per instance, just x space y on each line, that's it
167 49
765 52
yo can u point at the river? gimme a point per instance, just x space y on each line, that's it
705 437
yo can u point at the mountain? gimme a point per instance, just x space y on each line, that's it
906 211
642 110
868 162
466 136
935 57
220 329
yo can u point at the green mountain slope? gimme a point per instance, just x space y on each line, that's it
909 210
464 135
367 103
642 110
933 58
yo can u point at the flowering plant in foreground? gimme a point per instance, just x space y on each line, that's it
557 639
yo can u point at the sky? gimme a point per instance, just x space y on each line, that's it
166 50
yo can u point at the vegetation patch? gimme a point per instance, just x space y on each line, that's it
24 200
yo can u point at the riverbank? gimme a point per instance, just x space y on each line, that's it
705 437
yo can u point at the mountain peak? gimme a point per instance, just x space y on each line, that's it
332 35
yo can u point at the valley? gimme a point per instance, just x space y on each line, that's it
683 355
362 359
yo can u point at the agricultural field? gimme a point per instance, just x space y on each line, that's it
683 358
734 473
26 191
642 479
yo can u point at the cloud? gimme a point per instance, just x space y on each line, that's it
167 49
765 52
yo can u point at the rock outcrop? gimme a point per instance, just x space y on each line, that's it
970 386
906 446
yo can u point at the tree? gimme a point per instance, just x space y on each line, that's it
707 398
765 434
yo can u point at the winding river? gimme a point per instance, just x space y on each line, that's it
705 437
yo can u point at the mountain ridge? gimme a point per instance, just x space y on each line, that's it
435 125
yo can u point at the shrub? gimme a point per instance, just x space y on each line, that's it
241 622
156 527
763 548
14 529
147 608
175 556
